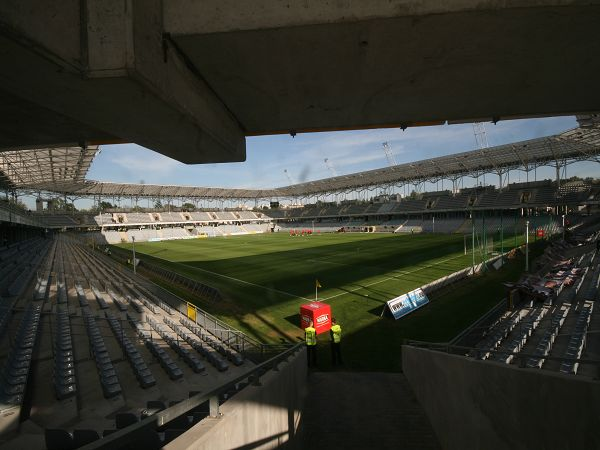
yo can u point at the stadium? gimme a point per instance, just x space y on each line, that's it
173 316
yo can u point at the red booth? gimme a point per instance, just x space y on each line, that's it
319 313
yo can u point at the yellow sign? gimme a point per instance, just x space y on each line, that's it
191 312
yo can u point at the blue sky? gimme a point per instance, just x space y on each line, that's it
303 156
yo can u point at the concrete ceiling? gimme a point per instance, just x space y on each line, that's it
461 65
191 79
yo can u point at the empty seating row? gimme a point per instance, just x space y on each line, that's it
65 382
5 315
61 290
164 359
211 355
142 373
12 251
545 345
592 291
41 288
57 439
245 215
108 376
148 304
526 329
101 302
16 368
136 304
117 301
496 335
20 282
17 270
138 327
83 302
189 357
578 339
151 439
213 350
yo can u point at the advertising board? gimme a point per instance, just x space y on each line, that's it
406 303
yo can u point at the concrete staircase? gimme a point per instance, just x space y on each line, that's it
355 410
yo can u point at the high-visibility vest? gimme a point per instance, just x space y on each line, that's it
310 335
336 331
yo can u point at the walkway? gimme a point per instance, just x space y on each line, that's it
353 410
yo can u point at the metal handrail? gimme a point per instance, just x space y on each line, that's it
130 434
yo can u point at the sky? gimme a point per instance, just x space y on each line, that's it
267 157
303 155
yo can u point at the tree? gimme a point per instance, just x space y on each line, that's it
188 207
62 205
106 205
18 204
158 204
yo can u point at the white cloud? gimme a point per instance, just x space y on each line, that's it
146 162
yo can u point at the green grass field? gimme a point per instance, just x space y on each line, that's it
265 278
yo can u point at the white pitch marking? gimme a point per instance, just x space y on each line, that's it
304 298
390 278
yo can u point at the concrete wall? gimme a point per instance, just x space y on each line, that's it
265 416
484 405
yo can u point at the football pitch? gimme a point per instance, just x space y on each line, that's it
265 278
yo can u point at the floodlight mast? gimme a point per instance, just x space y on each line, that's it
480 135
389 155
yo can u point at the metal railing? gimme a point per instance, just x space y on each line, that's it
130 434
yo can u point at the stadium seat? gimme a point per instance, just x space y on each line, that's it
57 439
84 437
123 420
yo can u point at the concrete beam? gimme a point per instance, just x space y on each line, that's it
106 66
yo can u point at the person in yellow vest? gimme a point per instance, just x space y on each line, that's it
310 336
336 338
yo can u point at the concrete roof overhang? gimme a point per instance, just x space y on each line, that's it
192 79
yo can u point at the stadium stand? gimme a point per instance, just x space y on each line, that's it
138 218
256 228
106 376
410 226
171 217
246 215
174 233
550 323
201 216
65 304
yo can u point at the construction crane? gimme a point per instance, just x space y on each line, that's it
287 174
389 155
330 167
